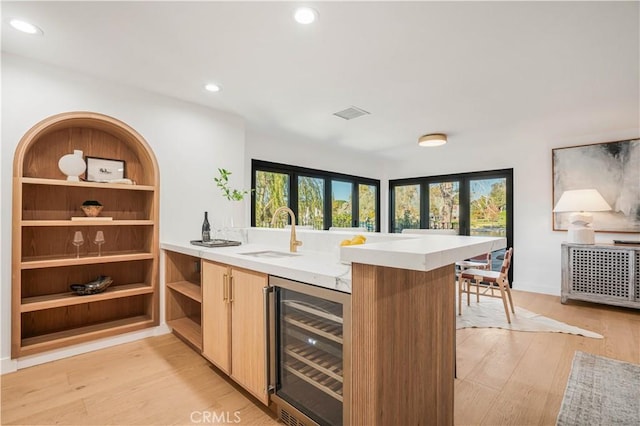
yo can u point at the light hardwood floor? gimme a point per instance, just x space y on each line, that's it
504 378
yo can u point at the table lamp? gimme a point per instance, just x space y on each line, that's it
580 202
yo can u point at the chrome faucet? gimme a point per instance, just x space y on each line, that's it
293 243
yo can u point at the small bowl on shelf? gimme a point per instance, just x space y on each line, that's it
92 208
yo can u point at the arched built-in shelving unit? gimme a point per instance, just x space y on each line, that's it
45 314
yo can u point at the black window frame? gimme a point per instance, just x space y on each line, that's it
464 179
294 172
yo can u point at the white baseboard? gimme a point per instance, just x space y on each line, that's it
30 361
8 365
534 287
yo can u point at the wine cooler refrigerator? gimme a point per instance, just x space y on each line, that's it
310 340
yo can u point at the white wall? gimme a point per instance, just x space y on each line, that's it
264 147
526 149
190 142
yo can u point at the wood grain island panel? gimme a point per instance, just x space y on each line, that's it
403 333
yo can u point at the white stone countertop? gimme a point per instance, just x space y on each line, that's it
330 267
312 267
424 253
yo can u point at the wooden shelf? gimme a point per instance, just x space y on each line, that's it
87 223
188 329
326 329
187 289
45 314
317 358
59 182
317 379
45 262
80 334
48 301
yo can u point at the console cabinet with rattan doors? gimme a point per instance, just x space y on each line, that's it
45 314
601 273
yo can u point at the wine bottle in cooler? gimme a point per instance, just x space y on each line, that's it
206 229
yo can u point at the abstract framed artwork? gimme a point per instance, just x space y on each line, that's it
613 168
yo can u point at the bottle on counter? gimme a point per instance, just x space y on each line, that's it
206 228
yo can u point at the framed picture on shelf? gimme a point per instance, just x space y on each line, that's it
613 169
104 169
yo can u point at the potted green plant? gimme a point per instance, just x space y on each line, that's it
230 194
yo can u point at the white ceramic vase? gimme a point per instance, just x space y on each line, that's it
72 165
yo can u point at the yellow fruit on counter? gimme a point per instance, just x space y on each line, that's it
345 242
358 239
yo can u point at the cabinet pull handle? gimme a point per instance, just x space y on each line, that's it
230 288
267 340
225 288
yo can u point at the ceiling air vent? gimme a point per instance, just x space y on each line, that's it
351 113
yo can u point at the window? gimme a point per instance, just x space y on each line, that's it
320 199
488 207
271 192
406 201
477 203
341 204
444 205
367 211
311 202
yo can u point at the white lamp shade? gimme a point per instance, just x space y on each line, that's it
581 200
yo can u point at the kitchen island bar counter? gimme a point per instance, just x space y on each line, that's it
424 253
401 365
317 268
322 262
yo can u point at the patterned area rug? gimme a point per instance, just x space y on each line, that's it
489 313
601 391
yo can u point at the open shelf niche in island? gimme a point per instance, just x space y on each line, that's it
45 314
184 297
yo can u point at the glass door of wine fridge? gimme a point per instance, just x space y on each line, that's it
312 342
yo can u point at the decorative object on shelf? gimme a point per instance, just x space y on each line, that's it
99 241
105 170
206 228
72 165
89 219
92 208
613 169
580 202
78 240
98 285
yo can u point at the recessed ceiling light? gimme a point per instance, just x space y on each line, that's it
305 15
212 87
25 27
434 139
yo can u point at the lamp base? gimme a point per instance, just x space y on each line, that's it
581 235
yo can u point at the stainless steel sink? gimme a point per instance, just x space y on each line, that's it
270 254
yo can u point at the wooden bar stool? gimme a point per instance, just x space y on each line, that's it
488 281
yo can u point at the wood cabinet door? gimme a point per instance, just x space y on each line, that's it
216 315
248 335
